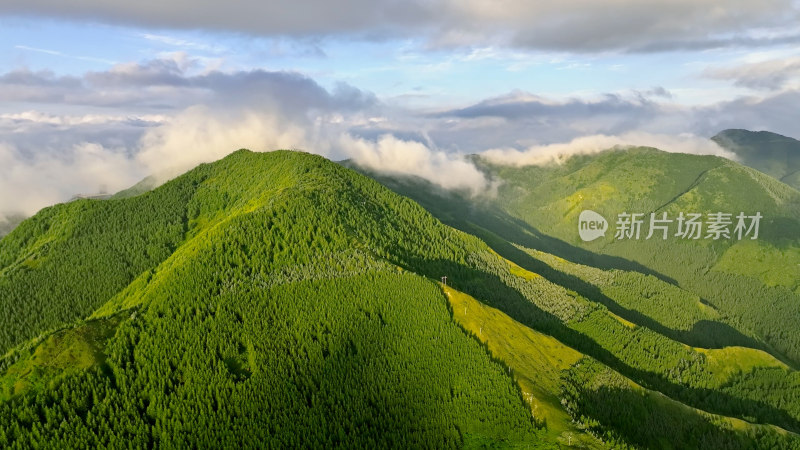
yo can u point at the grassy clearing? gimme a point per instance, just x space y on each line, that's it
63 351
773 265
726 362
515 269
520 272
535 359
627 323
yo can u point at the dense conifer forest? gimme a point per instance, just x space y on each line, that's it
282 300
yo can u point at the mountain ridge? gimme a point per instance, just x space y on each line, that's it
257 242
771 153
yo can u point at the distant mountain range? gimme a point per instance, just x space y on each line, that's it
777 156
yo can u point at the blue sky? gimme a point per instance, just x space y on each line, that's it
400 70
96 94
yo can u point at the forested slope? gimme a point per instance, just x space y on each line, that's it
274 321
656 321
280 299
776 155
735 276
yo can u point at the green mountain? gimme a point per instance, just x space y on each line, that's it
146 184
261 300
283 300
733 276
718 297
771 153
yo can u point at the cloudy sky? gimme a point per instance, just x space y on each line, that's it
96 94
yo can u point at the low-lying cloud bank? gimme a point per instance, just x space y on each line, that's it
558 153
32 180
198 135
105 131
29 182
168 146
399 157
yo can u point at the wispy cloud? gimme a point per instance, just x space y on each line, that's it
39 50
771 75
183 43
64 55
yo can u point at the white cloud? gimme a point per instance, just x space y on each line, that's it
400 157
572 25
198 135
29 183
772 74
32 180
558 153
111 128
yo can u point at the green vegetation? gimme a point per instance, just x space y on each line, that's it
548 200
535 359
63 352
280 317
772 265
646 309
374 362
622 413
279 299
67 260
771 153
725 363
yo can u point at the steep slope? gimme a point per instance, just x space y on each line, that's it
648 317
537 207
277 320
771 153
574 394
735 276
536 360
290 300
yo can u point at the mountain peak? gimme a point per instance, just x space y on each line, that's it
771 153
740 134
